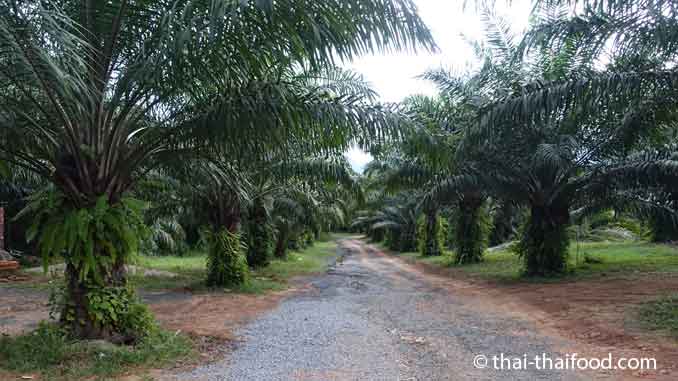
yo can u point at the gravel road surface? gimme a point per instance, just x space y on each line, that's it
369 319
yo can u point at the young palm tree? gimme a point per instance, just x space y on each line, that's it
426 160
92 92
254 180
391 211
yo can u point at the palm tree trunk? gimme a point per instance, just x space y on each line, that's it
77 312
502 224
431 244
259 236
471 232
664 229
95 303
376 235
281 244
226 264
408 238
545 241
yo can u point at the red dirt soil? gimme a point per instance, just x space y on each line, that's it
215 315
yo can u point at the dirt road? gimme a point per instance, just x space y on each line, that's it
371 317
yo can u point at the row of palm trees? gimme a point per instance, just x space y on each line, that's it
220 95
575 117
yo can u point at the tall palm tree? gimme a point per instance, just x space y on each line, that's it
554 142
93 92
464 96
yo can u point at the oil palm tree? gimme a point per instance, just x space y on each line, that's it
299 210
93 93
304 193
554 142
458 176
398 219
228 188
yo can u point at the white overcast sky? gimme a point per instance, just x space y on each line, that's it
393 76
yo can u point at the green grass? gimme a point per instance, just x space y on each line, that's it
308 261
440 260
661 315
190 269
593 259
49 352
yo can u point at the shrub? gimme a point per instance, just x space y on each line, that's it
115 307
51 351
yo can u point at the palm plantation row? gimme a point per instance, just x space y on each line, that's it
227 121
573 120
219 110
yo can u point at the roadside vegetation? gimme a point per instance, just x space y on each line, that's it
50 352
661 315
585 261
560 135
53 355
188 272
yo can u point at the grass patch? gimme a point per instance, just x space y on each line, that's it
190 269
190 272
439 260
275 276
592 259
49 352
624 257
661 315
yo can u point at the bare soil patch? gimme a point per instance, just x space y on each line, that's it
213 315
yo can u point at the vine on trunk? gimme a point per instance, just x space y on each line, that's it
545 241
96 242
226 265
259 237
432 230
471 231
